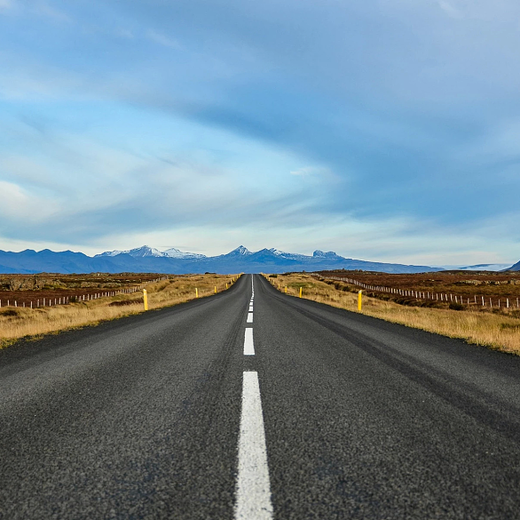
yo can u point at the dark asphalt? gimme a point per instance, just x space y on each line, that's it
139 418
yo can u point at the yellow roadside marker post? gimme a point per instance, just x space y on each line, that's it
196 292
226 285
301 291
286 289
359 300
215 289
145 299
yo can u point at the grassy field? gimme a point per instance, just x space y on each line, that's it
19 322
497 330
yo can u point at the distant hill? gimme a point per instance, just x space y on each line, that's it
149 260
515 267
483 267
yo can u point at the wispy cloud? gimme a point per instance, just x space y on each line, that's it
163 40
124 33
395 114
45 9
449 9
38 8
307 171
16 204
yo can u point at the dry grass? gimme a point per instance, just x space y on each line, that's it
495 330
24 322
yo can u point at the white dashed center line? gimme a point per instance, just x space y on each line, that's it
249 346
253 487
249 317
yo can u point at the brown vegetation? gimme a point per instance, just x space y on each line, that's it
478 290
58 289
498 330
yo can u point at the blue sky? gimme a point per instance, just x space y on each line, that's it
381 129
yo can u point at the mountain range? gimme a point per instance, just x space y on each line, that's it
174 261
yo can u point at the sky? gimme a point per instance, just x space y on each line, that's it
385 130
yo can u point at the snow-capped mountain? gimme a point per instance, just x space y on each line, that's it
284 254
331 255
138 252
239 251
115 252
147 251
177 253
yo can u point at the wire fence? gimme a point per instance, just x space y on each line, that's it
34 302
443 297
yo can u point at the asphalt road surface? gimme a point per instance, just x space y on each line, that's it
257 407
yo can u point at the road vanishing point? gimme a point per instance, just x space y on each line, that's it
252 404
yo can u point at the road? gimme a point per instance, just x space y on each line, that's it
314 412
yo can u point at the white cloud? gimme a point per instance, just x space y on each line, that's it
308 171
449 9
5 4
124 33
163 40
17 203
45 9
27 79
39 8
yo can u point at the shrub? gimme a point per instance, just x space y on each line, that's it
454 306
510 326
121 303
9 312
